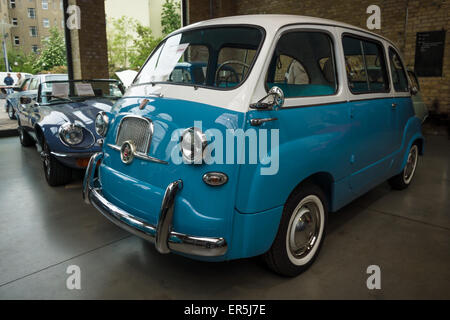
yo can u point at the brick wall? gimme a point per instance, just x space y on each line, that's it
89 46
423 15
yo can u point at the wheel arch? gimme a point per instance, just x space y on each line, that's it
324 180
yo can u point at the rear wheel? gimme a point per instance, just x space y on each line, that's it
403 179
55 172
301 232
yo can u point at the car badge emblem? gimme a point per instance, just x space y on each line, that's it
127 152
143 104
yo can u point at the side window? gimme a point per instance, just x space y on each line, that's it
290 71
233 65
414 81
25 85
398 73
303 65
365 65
33 84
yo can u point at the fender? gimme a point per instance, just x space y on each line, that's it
411 133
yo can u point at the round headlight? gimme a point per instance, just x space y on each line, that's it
101 123
193 142
71 134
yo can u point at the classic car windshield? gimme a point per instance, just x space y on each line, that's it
218 57
57 91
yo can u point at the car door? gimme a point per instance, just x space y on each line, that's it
372 111
312 125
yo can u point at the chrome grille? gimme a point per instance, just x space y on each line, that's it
136 129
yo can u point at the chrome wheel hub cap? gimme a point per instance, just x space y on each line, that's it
304 230
410 165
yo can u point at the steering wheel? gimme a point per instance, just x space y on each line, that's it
216 78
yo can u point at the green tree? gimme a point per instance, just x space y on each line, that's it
120 40
143 45
19 61
170 17
53 52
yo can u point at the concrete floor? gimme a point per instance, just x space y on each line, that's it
43 230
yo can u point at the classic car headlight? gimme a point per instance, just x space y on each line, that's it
71 133
193 142
101 123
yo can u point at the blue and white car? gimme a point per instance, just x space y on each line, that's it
294 117
60 121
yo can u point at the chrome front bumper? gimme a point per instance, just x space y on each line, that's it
165 239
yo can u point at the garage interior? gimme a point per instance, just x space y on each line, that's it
407 233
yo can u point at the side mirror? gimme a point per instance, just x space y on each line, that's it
25 100
414 90
277 96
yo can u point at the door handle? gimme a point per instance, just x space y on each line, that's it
258 122
394 106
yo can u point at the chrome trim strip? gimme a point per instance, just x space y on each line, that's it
139 155
72 154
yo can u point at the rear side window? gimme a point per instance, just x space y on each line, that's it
303 65
365 65
398 72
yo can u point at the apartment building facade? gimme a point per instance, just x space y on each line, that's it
30 22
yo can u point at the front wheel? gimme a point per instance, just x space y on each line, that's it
403 179
56 173
301 232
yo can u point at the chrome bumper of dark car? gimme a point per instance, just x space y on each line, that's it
72 154
165 239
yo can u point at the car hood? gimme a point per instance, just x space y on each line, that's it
82 112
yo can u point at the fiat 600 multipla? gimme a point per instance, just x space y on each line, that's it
288 118
59 120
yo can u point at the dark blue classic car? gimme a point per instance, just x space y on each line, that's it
60 120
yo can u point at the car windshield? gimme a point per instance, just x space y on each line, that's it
59 91
218 57
56 77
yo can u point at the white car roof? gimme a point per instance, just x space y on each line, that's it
275 22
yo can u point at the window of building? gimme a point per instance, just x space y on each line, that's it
46 23
14 22
16 40
365 65
398 72
33 32
12 4
35 48
303 65
31 13
45 4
